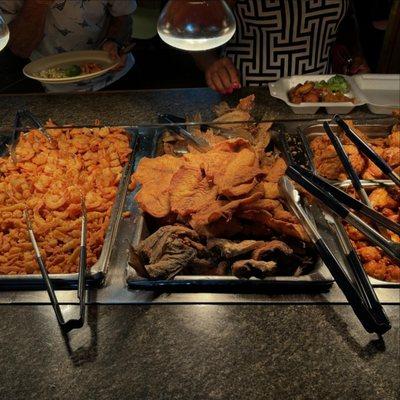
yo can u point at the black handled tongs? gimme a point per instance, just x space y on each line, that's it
200 143
336 199
355 283
340 204
352 174
72 323
360 295
367 150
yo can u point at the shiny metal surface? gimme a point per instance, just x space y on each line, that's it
98 271
379 128
115 290
319 277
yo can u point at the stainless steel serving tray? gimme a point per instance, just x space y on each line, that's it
370 185
319 280
97 274
374 129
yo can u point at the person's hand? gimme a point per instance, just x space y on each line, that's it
222 76
112 49
359 66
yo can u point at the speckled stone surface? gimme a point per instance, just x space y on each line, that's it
135 107
198 352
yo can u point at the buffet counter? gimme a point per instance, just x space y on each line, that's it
187 345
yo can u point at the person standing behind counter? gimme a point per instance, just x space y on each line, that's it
39 28
275 38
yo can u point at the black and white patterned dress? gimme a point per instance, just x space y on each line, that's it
276 38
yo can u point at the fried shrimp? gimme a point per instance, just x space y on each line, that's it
49 179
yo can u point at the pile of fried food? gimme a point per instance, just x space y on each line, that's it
48 178
328 164
332 91
387 201
220 211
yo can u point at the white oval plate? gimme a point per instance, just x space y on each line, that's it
66 59
280 89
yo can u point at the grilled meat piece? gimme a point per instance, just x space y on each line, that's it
286 261
230 249
249 268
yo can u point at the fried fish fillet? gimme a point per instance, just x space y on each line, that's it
190 190
155 174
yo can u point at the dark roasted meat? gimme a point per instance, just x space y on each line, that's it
249 268
165 253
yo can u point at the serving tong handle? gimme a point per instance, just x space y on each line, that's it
363 285
37 123
356 269
19 115
73 323
200 143
337 144
326 193
357 290
367 150
362 297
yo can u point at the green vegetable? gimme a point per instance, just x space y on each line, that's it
338 84
73 70
321 84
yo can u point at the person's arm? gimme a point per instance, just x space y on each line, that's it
220 73
348 36
119 32
119 29
26 29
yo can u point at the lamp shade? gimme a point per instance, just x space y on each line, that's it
196 25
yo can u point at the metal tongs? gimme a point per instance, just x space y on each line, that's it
24 113
19 115
340 204
367 150
81 294
360 294
352 174
353 280
200 143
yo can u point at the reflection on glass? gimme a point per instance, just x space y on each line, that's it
4 33
196 25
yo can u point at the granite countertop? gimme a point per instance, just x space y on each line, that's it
142 106
198 352
191 351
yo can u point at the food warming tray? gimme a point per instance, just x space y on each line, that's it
368 185
375 129
319 279
96 275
